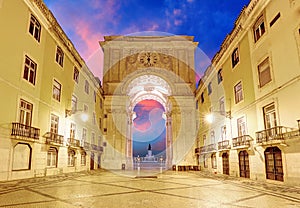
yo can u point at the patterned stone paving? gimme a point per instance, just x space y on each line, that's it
125 190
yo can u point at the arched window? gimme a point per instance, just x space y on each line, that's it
52 157
22 157
71 158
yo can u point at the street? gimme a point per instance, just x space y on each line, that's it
123 189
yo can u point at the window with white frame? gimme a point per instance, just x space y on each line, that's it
74 103
205 161
29 72
269 116
93 138
54 124
204 140
212 137
76 74
220 76
59 58
35 28
56 91
264 72
72 130
222 106
87 87
85 108
83 158
235 57
25 112
84 133
213 160
223 133
259 28
241 125
94 118
52 157
71 158
238 92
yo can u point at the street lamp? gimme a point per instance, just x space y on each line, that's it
210 117
161 162
84 116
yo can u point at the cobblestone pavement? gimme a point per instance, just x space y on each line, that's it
124 189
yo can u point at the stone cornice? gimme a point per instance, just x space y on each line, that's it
58 31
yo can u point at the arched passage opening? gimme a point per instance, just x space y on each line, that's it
148 140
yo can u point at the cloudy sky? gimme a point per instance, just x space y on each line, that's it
86 22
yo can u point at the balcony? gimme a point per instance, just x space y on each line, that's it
223 145
208 148
24 132
275 135
74 142
241 141
53 138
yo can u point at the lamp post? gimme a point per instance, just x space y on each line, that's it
161 163
138 164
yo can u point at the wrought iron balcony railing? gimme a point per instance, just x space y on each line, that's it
223 145
25 131
208 148
53 138
273 134
74 142
243 140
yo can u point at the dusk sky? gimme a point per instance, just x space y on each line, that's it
86 22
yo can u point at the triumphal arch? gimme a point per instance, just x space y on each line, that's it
159 68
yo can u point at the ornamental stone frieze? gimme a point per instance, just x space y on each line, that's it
148 59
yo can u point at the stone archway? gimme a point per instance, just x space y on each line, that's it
138 68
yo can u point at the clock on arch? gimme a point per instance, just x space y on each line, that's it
148 58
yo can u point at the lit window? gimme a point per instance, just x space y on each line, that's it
223 133
87 87
29 70
56 90
209 88
220 76
25 112
76 74
259 28
52 157
59 56
235 57
238 91
54 124
264 73
71 158
35 28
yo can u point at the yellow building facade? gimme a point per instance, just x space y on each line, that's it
46 89
248 98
